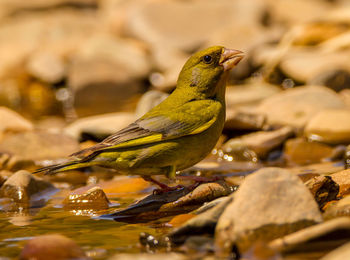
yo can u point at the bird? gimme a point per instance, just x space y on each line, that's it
174 135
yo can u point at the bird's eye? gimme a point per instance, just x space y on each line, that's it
207 59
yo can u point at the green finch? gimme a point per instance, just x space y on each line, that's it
174 135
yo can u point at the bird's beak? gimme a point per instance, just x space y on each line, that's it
230 58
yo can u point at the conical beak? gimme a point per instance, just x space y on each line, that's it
230 58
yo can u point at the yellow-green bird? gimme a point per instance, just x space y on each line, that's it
174 135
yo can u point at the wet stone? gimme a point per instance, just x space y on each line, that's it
144 256
22 185
342 178
94 199
53 246
261 142
279 205
330 126
299 151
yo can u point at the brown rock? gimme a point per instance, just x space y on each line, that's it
38 145
144 256
336 79
342 178
280 204
10 121
323 188
53 246
299 151
22 185
295 107
261 142
330 126
241 120
94 199
99 126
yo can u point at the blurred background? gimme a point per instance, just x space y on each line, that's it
76 58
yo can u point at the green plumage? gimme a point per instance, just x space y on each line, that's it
174 135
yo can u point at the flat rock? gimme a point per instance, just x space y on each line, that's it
340 253
295 107
261 142
94 199
39 145
330 126
342 178
299 151
11 121
54 246
280 204
22 185
99 126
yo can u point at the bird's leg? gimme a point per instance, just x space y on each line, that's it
163 187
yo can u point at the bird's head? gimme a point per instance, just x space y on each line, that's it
205 72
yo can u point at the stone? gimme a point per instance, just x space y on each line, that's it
296 106
323 188
149 100
203 223
53 246
329 126
270 203
11 121
261 142
22 185
99 126
342 178
249 94
304 64
314 233
38 145
341 253
94 199
299 151
338 208
336 79
46 66
241 120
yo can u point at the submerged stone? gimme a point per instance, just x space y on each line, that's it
94 199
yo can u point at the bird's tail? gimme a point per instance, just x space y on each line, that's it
71 165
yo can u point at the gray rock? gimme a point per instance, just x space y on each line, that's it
270 203
38 145
295 107
149 100
340 253
99 126
329 126
22 185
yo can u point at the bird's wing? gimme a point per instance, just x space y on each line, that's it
191 118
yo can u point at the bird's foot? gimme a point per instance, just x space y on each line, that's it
163 188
